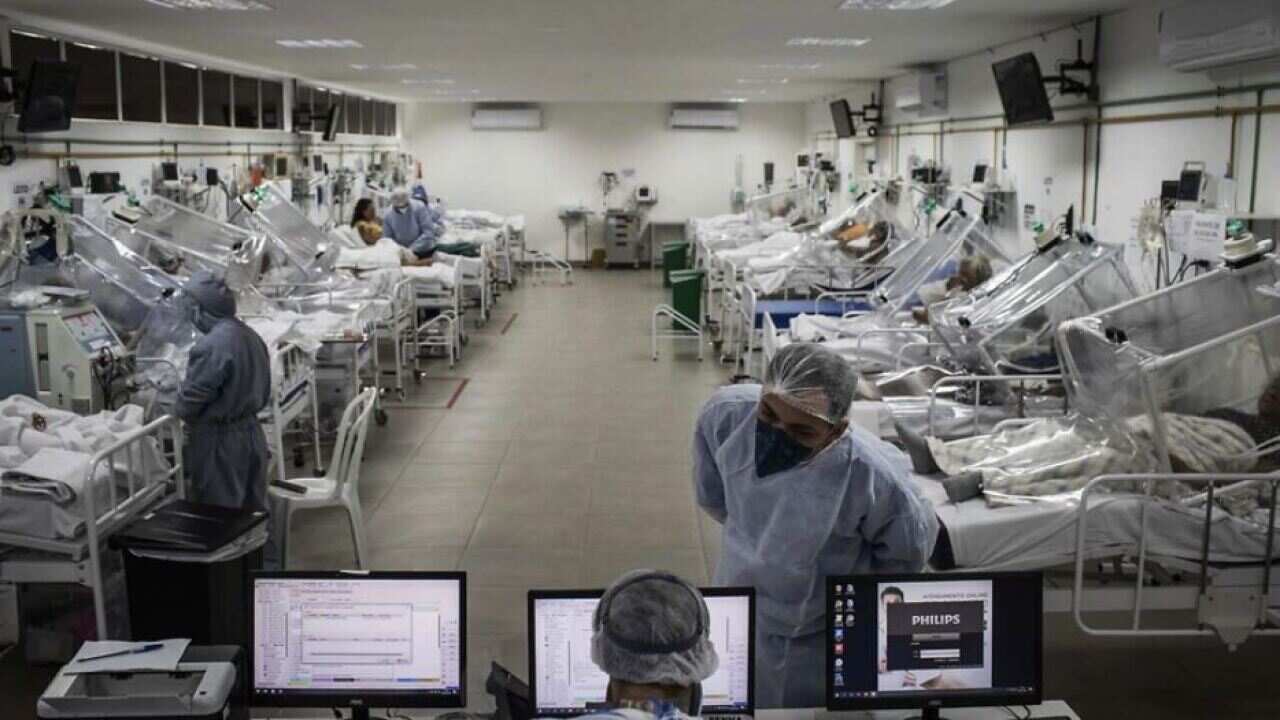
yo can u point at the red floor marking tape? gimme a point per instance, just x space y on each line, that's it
507 327
457 392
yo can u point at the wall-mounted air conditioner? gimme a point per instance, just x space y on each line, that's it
1207 35
489 117
703 117
924 92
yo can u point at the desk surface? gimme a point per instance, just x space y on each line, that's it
1051 708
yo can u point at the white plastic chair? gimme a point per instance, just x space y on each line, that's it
340 484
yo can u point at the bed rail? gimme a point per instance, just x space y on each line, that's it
1233 602
147 464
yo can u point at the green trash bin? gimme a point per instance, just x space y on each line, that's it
675 256
686 293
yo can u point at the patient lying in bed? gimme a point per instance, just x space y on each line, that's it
1052 457
370 232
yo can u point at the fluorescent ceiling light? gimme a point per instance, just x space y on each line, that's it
894 4
325 43
359 67
427 81
736 99
790 67
763 81
743 91
827 42
212 4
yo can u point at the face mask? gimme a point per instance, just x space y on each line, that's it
777 451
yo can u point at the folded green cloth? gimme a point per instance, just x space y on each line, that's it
465 249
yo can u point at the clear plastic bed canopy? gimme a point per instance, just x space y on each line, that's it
1009 321
277 216
179 239
121 283
947 241
1207 344
791 205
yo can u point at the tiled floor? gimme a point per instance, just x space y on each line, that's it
564 462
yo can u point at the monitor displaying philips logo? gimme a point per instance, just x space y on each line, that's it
921 641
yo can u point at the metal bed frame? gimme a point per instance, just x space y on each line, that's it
446 330
79 561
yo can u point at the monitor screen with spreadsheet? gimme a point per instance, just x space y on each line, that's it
393 639
564 681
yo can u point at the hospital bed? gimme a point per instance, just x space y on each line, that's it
428 305
888 306
994 345
789 273
1159 539
126 480
179 240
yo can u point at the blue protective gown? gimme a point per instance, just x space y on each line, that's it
850 510
412 228
228 383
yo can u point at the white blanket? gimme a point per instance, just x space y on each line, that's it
57 457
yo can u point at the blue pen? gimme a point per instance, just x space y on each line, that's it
149 647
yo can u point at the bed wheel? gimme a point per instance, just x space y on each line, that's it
380 417
319 471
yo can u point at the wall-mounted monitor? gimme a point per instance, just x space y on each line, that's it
1022 90
842 118
331 122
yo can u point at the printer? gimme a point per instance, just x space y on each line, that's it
205 685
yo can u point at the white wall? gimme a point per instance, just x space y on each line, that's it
535 172
1053 167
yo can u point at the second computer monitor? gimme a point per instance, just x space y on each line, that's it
565 682
383 639
931 641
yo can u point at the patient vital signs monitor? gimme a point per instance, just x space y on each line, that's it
382 639
932 641
565 682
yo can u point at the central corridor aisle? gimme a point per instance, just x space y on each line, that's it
566 436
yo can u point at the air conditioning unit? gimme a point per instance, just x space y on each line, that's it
1207 35
703 118
925 92
506 118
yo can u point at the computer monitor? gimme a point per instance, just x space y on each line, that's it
331 123
50 97
169 171
842 119
317 163
932 641
1022 90
359 640
564 682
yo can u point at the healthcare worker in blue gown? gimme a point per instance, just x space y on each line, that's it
228 383
802 495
